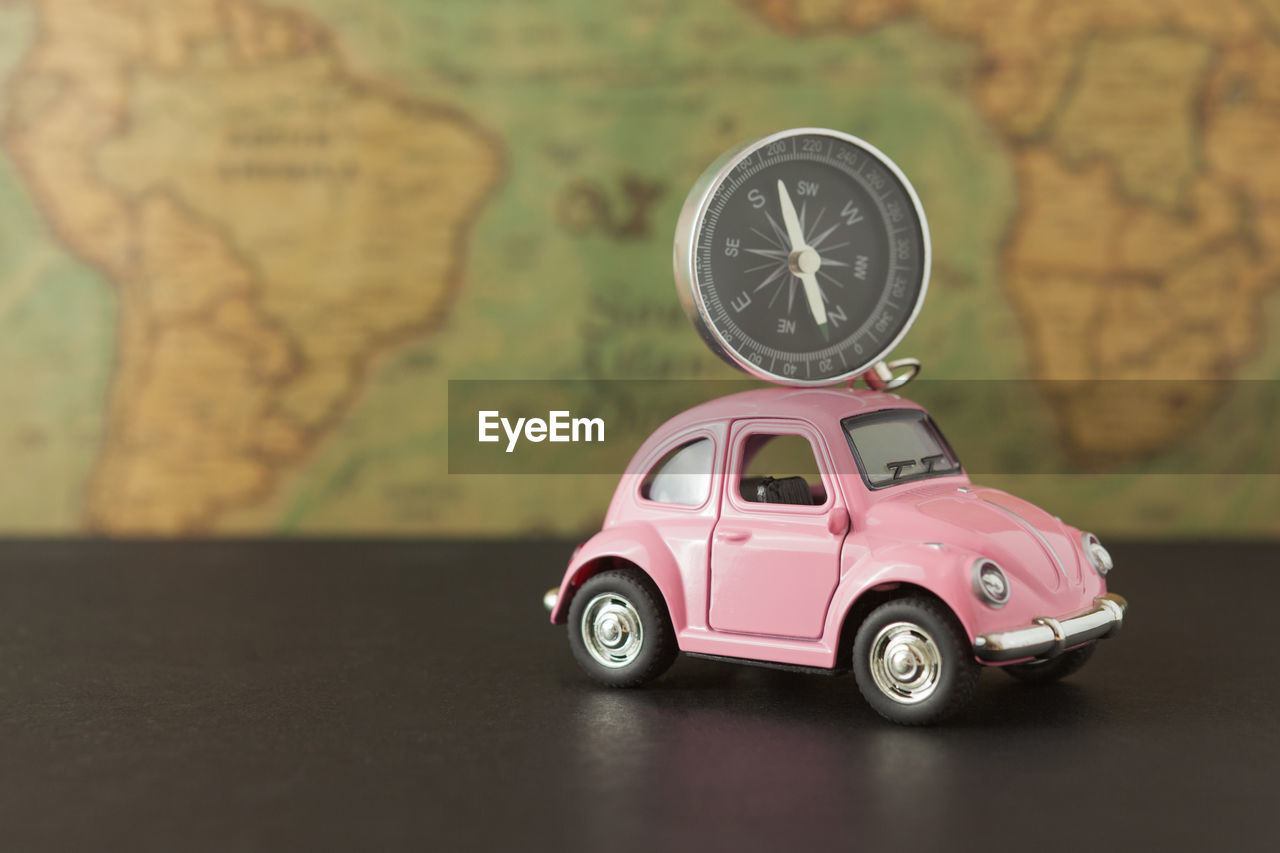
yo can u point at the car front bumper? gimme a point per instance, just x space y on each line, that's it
1046 637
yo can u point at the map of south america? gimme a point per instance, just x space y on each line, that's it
270 222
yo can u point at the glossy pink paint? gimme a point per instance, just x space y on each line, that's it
775 582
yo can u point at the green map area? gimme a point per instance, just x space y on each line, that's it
243 248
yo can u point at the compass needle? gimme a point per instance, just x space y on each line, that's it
813 295
804 261
795 235
803 257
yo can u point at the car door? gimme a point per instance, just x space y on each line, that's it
775 556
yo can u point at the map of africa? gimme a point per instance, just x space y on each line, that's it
244 245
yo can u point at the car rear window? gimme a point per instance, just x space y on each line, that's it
682 476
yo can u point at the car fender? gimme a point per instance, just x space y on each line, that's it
942 571
637 544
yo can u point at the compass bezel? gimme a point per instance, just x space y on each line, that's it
689 227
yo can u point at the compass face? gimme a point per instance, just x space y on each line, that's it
803 257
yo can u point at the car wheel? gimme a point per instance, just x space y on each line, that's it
1053 669
913 663
619 629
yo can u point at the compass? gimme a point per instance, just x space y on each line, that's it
803 257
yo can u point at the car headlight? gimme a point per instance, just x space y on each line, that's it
1099 557
990 583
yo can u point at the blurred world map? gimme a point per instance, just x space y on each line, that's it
243 245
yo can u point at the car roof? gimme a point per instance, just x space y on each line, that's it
819 405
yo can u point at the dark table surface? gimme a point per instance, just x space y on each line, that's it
357 695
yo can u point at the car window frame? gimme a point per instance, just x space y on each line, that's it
742 430
669 447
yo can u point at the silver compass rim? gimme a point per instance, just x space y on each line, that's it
692 214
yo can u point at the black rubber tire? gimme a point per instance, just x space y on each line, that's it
958 671
1053 669
658 648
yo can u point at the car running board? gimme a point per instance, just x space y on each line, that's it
768 664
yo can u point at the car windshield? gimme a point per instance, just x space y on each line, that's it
898 446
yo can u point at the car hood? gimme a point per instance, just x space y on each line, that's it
1025 540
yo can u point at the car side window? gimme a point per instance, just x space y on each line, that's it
682 476
780 469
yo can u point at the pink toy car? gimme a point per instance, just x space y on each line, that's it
830 530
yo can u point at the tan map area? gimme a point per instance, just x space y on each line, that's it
202 155
1136 131
244 244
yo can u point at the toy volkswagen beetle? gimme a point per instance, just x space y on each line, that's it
830 530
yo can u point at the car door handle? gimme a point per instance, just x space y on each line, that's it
733 535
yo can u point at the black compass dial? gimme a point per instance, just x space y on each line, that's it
808 257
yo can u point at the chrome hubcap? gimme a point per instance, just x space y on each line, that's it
906 663
611 630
